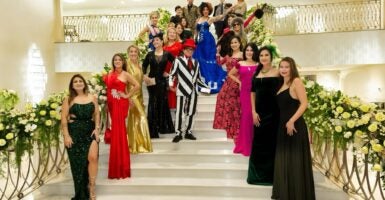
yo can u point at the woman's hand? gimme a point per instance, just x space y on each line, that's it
96 134
68 141
240 86
256 119
290 128
123 95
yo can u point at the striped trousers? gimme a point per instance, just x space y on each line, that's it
185 110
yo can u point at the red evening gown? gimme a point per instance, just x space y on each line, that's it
119 162
175 49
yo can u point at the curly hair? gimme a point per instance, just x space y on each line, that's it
205 5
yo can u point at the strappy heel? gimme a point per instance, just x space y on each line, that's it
92 188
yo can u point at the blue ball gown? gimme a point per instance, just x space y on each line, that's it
205 52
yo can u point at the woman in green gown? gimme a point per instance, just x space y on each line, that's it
137 127
80 126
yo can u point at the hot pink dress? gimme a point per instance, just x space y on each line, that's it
245 136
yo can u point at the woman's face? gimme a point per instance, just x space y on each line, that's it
205 11
157 42
133 54
249 52
154 20
179 29
78 84
118 62
284 69
183 22
265 57
229 20
235 44
237 27
171 34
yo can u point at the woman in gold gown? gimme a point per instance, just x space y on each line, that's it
137 127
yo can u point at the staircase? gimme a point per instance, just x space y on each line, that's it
201 170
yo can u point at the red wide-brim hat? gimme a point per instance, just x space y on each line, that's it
189 43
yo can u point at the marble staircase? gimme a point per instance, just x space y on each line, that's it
201 170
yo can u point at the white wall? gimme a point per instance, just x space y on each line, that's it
24 22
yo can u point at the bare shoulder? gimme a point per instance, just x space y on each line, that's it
297 82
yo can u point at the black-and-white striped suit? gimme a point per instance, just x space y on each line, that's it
186 92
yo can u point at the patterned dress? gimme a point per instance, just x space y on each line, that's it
227 110
80 129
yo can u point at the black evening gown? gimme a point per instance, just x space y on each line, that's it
293 174
158 113
261 162
80 130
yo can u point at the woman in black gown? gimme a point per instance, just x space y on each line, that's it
293 174
158 114
265 85
80 124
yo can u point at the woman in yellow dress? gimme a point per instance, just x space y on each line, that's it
137 127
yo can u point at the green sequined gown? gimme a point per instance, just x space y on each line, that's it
80 130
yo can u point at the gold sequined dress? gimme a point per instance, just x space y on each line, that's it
137 127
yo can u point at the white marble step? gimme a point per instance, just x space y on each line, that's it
184 187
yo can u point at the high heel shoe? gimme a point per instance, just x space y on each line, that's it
92 188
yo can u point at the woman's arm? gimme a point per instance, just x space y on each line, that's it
232 74
64 123
96 118
300 92
143 31
131 80
256 118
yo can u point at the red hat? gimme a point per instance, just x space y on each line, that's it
189 43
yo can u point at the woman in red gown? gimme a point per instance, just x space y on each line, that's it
118 104
173 46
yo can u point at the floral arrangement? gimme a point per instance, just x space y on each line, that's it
347 120
142 43
8 99
259 34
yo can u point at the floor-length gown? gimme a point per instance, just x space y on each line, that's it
80 130
137 126
205 52
158 113
245 136
175 49
293 174
261 162
227 109
119 161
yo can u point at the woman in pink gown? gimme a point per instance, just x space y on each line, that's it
246 70
118 104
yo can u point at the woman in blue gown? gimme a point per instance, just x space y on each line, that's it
205 52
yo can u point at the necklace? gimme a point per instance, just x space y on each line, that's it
265 71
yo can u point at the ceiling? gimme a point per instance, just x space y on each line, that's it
143 6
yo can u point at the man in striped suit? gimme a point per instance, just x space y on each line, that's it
186 70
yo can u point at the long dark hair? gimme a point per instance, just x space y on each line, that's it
254 47
260 66
124 67
293 68
240 44
72 91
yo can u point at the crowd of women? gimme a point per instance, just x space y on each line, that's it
259 106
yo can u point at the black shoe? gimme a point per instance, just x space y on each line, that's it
177 138
189 136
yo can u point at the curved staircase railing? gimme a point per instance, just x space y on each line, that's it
41 164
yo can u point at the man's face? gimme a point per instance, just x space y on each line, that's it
188 51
